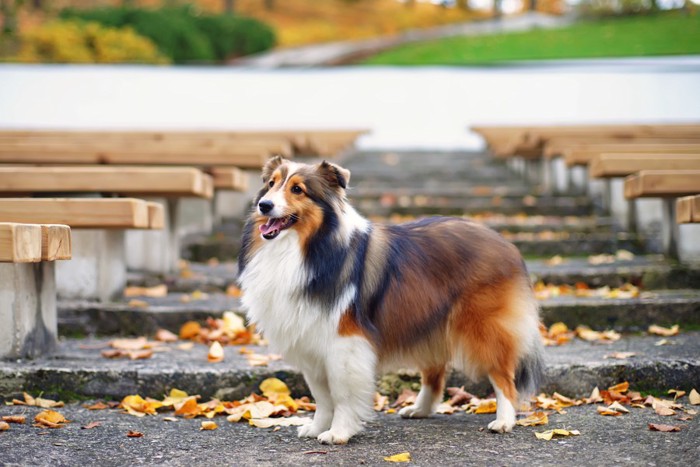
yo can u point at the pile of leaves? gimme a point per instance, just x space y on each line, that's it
580 289
559 334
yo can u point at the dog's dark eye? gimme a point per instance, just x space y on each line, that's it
296 189
272 183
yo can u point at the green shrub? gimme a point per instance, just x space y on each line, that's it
185 36
81 42
235 36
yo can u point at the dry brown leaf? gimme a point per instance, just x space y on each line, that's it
620 387
662 331
663 428
157 291
594 397
216 353
190 329
664 411
163 335
4 426
50 419
137 304
380 402
137 343
407 397
677 393
91 425
97 406
537 418
458 396
620 355
134 434
208 426
21 419
608 412
694 397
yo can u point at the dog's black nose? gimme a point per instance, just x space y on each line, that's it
265 206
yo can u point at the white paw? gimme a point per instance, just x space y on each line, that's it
501 426
413 411
309 431
333 437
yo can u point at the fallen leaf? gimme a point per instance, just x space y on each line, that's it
407 397
279 422
663 428
620 387
445 409
594 397
486 406
188 408
685 418
138 343
459 396
537 418
677 393
169 419
174 397
152 292
380 402
555 261
91 425
272 387
549 434
402 457
620 355
21 419
208 426
185 346
137 303
136 405
97 406
694 397
662 331
216 353
608 412
624 255
664 411
163 335
38 402
4 426
233 291
134 434
565 401
661 342
50 419
190 329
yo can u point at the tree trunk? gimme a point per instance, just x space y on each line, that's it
229 6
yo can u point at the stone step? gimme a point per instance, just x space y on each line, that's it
77 370
662 307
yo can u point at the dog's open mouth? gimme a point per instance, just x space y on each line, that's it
275 225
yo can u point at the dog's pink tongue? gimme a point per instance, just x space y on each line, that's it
271 226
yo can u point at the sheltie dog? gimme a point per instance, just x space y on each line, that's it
343 299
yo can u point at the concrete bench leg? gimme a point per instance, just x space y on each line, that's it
156 251
98 268
27 309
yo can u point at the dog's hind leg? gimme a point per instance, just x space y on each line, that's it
506 398
430 395
351 368
317 380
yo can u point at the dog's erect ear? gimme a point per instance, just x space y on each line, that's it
271 165
334 174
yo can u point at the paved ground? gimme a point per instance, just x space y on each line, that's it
458 439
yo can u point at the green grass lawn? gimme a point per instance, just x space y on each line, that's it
663 34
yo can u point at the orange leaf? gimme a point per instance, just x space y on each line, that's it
621 387
190 329
4 426
50 419
486 406
134 434
97 406
662 331
188 408
91 425
208 426
14 419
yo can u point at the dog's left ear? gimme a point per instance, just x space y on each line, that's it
335 175
271 165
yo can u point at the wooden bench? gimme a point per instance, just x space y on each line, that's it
668 185
609 165
27 286
98 268
688 210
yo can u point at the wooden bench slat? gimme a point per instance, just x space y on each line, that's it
177 181
55 242
20 243
229 178
156 215
99 213
556 147
623 164
584 154
662 183
688 209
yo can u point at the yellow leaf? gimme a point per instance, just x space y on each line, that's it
136 405
694 397
216 352
665 332
545 435
558 328
50 419
273 386
486 406
537 418
233 323
549 434
277 422
402 457
208 425
174 397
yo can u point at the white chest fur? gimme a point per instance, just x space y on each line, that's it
273 296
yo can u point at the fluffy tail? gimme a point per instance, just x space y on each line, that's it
530 371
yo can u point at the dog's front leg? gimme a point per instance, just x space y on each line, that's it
317 380
350 367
